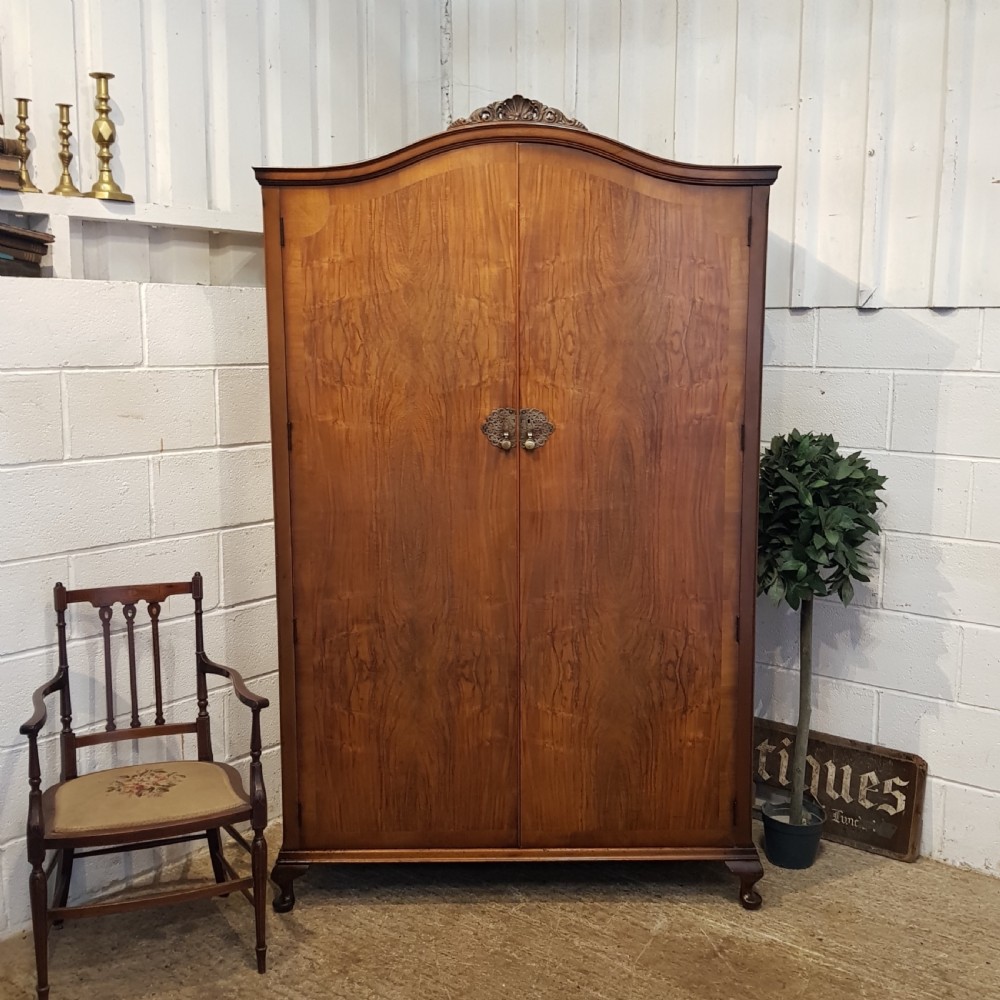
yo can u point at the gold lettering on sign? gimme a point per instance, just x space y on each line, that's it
763 749
871 795
813 771
869 780
839 816
845 782
838 782
783 757
898 796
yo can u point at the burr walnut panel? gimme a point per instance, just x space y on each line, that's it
399 314
633 298
512 370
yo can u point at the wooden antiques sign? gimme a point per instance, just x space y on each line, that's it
873 797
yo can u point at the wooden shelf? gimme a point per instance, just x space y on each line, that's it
146 214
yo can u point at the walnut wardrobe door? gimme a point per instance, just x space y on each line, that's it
633 318
400 326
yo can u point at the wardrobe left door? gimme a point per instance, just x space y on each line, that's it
400 339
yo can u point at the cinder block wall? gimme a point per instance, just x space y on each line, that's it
133 429
133 447
914 663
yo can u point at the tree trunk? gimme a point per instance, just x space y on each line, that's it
805 711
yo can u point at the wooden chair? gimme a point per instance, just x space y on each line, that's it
146 805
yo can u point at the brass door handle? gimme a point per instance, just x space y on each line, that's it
500 428
502 425
535 429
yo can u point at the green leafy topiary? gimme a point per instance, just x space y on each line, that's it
816 511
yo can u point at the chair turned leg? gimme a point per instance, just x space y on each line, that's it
215 853
39 893
63 876
259 864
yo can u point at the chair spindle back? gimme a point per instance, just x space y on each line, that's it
105 599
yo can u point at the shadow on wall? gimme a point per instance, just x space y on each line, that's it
868 657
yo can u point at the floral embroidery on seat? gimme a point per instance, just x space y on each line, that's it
149 781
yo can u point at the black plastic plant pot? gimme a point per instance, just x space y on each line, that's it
790 846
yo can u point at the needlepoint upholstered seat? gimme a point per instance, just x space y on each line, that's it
147 803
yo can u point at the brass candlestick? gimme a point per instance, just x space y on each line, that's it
23 128
65 186
106 187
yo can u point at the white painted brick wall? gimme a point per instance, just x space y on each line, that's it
211 489
244 413
853 406
25 618
888 651
961 740
969 833
62 324
980 668
842 708
61 507
245 638
124 412
898 338
115 403
87 497
789 337
248 563
985 522
206 325
946 414
918 668
30 419
932 827
991 340
930 495
943 577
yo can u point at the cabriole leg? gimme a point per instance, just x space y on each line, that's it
749 871
283 875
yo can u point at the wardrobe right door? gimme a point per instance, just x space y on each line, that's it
632 343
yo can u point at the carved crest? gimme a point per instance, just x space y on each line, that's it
518 109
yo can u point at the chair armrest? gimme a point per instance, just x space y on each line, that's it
37 720
251 700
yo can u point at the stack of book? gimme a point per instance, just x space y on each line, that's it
10 165
22 251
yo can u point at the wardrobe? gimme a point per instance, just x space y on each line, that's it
515 393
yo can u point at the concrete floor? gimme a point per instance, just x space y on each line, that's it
855 926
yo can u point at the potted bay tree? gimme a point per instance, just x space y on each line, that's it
815 521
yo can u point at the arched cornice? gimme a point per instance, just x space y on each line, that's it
518 120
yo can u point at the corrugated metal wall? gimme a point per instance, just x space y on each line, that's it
885 114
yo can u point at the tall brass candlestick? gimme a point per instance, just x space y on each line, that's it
105 187
65 186
23 128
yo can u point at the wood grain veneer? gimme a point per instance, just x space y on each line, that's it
545 653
